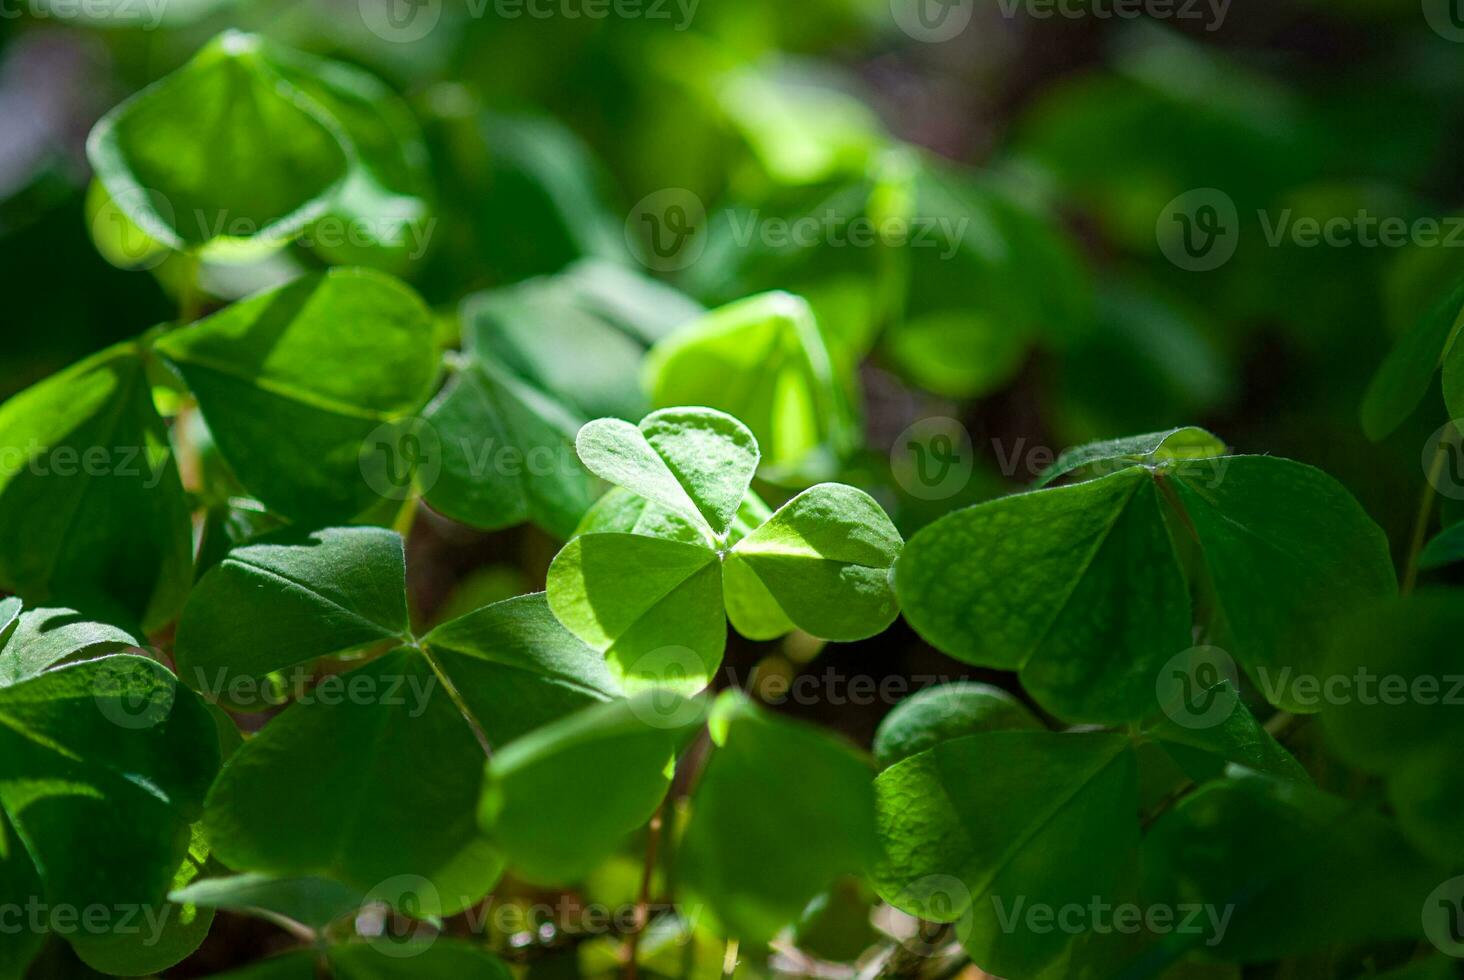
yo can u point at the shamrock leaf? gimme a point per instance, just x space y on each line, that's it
287 599
763 360
781 810
311 902
1086 589
299 382
654 590
1100 458
944 712
106 765
373 775
223 150
91 507
824 559
507 453
561 799
652 606
979 829
1076 587
695 461
540 359
381 215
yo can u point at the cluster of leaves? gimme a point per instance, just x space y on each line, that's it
535 741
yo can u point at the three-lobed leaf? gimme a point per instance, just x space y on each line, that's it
1086 588
308 389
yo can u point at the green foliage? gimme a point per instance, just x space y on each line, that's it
65 541
658 606
107 764
763 360
781 810
1395 663
327 360
225 510
1086 589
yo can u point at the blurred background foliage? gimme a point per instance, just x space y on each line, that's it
1059 139
1051 319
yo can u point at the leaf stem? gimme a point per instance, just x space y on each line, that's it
190 298
643 902
1420 523
729 958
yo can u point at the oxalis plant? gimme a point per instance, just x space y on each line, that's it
216 699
